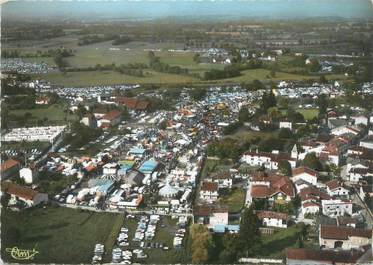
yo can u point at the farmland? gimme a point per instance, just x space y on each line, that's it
72 233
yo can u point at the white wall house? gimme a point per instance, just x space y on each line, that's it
209 192
336 207
28 175
305 174
273 219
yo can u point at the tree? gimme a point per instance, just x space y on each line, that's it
285 168
201 243
323 79
273 113
244 114
249 230
322 102
368 201
312 162
231 248
285 133
197 93
268 101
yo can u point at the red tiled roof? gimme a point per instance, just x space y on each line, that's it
300 170
277 183
8 164
343 232
310 204
271 214
312 193
209 186
333 184
114 114
19 191
133 103
323 256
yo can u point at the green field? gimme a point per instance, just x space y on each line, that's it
234 200
60 235
245 135
274 246
308 114
56 114
91 78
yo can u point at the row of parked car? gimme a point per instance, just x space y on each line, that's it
97 253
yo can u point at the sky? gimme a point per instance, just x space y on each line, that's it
183 9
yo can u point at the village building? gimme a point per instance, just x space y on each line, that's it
209 191
303 256
336 188
343 237
23 197
273 219
336 207
275 188
9 168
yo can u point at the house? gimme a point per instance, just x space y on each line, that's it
110 119
335 188
269 160
42 100
223 179
311 198
28 174
209 191
336 207
275 188
343 237
346 221
360 120
306 174
273 219
89 120
367 142
9 168
22 196
286 125
110 169
344 129
133 103
303 256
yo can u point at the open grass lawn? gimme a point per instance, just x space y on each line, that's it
309 113
212 165
91 78
61 235
274 245
54 113
247 135
234 200
47 60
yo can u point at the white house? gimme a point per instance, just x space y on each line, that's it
286 124
360 120
28 175
273 219
310 207
306 174
335 188
343 237
218 217
110 169
336 207
26 196
269 160
209 191
367 142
